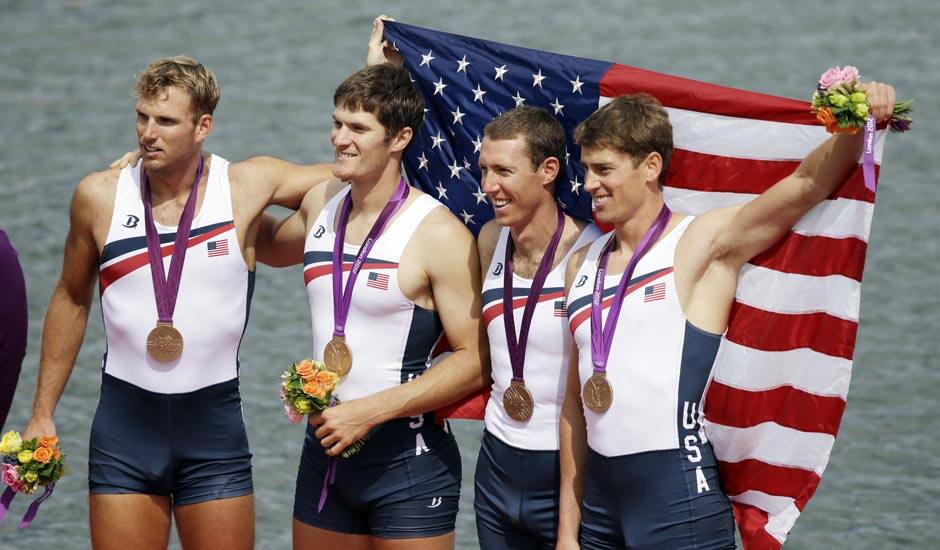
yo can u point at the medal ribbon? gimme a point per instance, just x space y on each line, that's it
165 289
603 336
342 298
517 346
868 154
31 511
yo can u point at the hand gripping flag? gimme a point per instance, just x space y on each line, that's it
782 373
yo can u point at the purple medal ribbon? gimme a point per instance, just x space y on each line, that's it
868 155
517 347
165 288
31 512
603 336
343 297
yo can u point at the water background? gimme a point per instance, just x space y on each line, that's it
67 72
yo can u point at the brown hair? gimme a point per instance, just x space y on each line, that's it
386 92
185 73
544 136
636 125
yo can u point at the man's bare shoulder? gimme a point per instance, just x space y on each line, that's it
95 193
317 197
486 242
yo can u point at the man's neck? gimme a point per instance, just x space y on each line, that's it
531 237
630 232
370 195
174 182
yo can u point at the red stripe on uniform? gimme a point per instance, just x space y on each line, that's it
496 309
315 271
787 406
704 172
769 331
692 95
817 256
115 271
585 313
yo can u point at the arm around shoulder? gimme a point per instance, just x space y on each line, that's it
279 181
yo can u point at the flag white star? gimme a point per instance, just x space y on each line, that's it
466 163
439 86
575 185
423 161
537 79
441 192
576 84
455 169
477 143
437 141
478 94
480 195
426 59
500 71
519 99
462 64
467 218
457 115
558 106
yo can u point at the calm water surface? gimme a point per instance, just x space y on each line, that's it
66 108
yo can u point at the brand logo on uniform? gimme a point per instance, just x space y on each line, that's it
581 281
319 232
435 502
499 268
132 221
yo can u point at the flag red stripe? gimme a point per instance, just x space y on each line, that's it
770 331
786 406
704 172
755 475
471 407
693 95
817 256
751 522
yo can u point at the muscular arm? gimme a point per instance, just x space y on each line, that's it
572 439
453 268
281 182
67 316
281 242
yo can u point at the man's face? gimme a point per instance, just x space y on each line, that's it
166 132
615 184
360 149
513 186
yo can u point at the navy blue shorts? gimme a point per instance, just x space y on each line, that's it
189 446
655 500
516 496
404 483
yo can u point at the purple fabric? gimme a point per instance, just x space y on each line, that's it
517 346
13 323
603 336
868 154
33 509
165 289
5 501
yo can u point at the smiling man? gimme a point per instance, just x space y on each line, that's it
388 269
168 436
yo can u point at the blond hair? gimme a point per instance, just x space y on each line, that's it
185 73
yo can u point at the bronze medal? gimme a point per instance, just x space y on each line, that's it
165 343
597 394
518 402
337 356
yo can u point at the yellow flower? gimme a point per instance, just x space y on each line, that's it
302 406
25 457
31 476
859 97
838 100
10 443
861 109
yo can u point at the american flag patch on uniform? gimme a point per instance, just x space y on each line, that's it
377 280
654 292
561 308
218 248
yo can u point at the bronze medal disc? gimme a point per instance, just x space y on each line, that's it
518 402
165 343
337 356
597 394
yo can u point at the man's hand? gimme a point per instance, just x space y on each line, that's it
881 98
130 158
380 51
41 426
342 425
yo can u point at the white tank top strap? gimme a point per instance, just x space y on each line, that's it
499 252
217 204
397 235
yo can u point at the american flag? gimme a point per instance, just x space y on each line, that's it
218 248
654 292
782 373
377 280
561 309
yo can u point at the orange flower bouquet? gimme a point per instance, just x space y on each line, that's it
28 465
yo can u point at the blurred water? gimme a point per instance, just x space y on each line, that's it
66 81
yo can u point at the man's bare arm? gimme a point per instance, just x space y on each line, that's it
284 183
67 316
454 273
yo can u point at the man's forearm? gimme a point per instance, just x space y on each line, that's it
829 165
